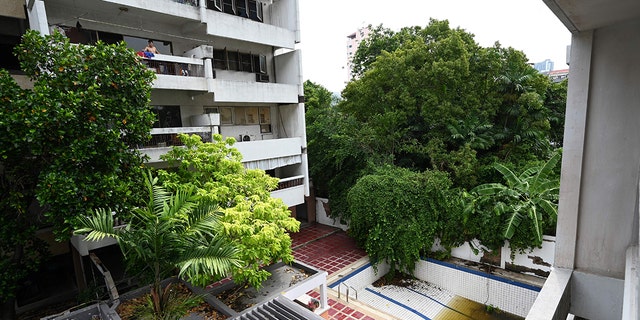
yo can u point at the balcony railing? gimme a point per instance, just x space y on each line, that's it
175 66
290 182
168 137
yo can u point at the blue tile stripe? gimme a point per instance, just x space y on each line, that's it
484 275
345 278
398 303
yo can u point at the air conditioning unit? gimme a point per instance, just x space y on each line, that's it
261 77
200 52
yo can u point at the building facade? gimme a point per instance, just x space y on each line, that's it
223 66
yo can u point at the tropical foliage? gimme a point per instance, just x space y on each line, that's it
171 232
530 195
255 222
430 99
396 214
67 143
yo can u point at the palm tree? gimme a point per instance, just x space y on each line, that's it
172 232
526 196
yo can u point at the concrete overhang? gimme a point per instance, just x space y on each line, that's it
592 14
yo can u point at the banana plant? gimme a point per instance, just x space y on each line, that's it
529 195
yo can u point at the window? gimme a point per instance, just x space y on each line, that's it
167 117
246 115
241 8
211 110
238 61
259 63
226 115
265 119
229 6
251 114
214 4
245 62
220 59
255 10
233 60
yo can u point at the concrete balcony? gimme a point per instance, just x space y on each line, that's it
185 9
229 26
261 150
260 154
247 92
291 192
178 73
163 139
218 24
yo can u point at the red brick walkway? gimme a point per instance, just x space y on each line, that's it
328 249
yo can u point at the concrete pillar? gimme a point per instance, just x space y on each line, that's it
37 16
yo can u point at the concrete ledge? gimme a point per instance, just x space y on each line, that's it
554 299
631 285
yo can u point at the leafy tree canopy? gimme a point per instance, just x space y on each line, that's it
255 222
67 143
432 100
397 213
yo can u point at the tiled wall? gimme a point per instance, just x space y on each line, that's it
511 296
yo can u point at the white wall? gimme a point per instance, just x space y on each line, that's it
323 218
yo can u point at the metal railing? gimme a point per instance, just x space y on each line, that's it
290 182
347 291
159 140
175 68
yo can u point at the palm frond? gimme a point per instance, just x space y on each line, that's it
217 257
157 194
179 204
203 220
98 226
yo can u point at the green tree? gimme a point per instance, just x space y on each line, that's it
532 195
171 232
396 214
556 100
255 222
67 144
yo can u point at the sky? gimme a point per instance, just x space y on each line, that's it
526 25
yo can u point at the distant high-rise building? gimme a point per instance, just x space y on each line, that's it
353 41
544 67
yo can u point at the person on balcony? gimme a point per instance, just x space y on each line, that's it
151 48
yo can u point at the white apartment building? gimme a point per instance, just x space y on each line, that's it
224 66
